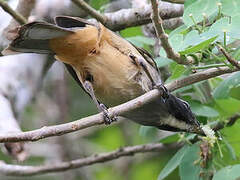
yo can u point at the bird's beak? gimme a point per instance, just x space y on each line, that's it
198 130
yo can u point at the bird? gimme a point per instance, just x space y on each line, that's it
110 70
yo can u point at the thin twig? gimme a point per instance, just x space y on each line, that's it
24 8
175 1
158 24
200 76
221 124
91 11
233 119
16 170
120 109
161 33
228 56
18 17
208 66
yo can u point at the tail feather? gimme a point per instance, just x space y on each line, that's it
71 22
42 30
34 38
29 46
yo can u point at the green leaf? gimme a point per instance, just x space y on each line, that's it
108 141
231 135
178 71
162 61
231 27
147 131
176 41
235 92
197 8
192 38
188 3
131 32
229 148
173 163
214 82
228 106
237 54
228 173
222 91
188 169
199 46
203 110
170 139
97 4
180 30
230 7
141 40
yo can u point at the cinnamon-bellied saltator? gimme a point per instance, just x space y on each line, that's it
109 68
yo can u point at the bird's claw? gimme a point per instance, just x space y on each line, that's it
165 92
107 119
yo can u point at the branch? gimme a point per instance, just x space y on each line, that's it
222 124
17 170
175 1
228 56
233 119
170 24
24 8
200 76
14 96
11 85
115 21
18 17
91 11
97 119
8 123
158 23
125 18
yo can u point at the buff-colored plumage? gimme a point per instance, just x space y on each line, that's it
106 57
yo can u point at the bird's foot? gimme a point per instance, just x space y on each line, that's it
165 92
107 119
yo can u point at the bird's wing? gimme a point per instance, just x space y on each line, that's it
71 22
148 57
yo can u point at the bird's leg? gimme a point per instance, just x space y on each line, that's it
159 86
140 62
101 107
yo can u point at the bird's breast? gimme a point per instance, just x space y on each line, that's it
103 56
115 77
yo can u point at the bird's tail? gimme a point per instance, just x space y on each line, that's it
34 38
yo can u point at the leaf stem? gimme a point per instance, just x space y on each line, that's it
209 66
